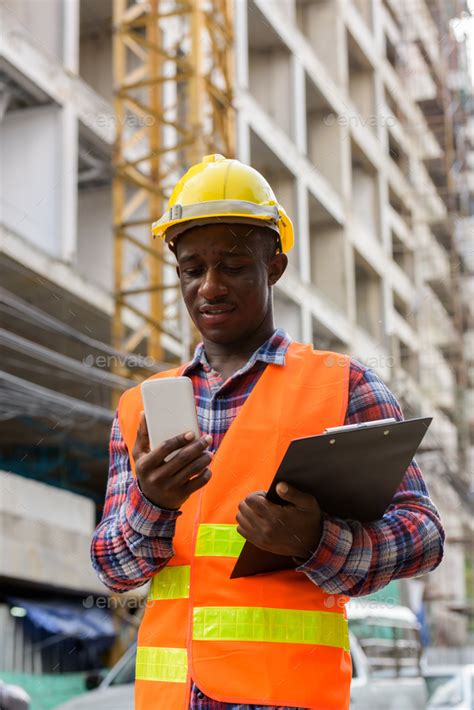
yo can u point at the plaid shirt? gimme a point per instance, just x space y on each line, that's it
134 539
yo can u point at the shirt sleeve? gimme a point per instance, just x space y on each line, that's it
356 558
134 539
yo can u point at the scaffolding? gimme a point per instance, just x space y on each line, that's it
173 74
445 115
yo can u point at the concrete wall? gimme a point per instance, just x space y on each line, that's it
30 176
287 316
45 534
325 146
267 70
43 18
321 23
328 269
364 200
95 236
96 63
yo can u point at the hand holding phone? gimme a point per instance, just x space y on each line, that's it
170 457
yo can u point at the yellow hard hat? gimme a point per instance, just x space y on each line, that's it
222 190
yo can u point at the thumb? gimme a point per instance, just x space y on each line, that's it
142 442
301 500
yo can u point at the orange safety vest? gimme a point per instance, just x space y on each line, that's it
272 639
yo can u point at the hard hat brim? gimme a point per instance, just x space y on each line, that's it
214 209
179 218
177 229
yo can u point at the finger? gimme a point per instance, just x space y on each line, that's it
301 500
257 499
243 531
158 455
247 531
248 519
153 459
252 534
252 511
242 519
142 442
194 467
198 481
186 456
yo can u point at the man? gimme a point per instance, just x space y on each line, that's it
206 641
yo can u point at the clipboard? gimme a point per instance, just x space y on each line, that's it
353 472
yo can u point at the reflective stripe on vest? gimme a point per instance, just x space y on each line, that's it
218 540
161 664
243 624
170 583
323 628
251 623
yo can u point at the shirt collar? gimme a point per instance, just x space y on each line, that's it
272 351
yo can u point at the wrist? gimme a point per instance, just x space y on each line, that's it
155 503
146 518
308 549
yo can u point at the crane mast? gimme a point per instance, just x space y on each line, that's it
173 74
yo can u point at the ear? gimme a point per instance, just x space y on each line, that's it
276 268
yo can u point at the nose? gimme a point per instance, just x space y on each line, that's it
211 286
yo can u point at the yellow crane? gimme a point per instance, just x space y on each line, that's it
173 77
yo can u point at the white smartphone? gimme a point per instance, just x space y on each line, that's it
169 409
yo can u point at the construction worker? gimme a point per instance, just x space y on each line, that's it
280 639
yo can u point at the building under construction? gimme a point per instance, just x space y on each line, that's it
359 114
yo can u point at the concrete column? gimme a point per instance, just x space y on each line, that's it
382 184
241 44
68 187
302 235
297 75
243 138
71 33
306 325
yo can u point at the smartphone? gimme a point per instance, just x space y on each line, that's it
169 409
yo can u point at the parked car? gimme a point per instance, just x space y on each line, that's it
375 685
438 675
457 693
386 652
114 692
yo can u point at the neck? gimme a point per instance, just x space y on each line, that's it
229 357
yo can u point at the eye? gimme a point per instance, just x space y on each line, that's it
193 272
233 269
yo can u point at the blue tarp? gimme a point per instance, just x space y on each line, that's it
69 619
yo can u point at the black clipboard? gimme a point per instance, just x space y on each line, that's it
353 473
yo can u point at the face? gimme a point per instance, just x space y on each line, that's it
225 279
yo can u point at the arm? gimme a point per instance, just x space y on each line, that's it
133 541
356 559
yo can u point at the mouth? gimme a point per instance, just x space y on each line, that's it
216 314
